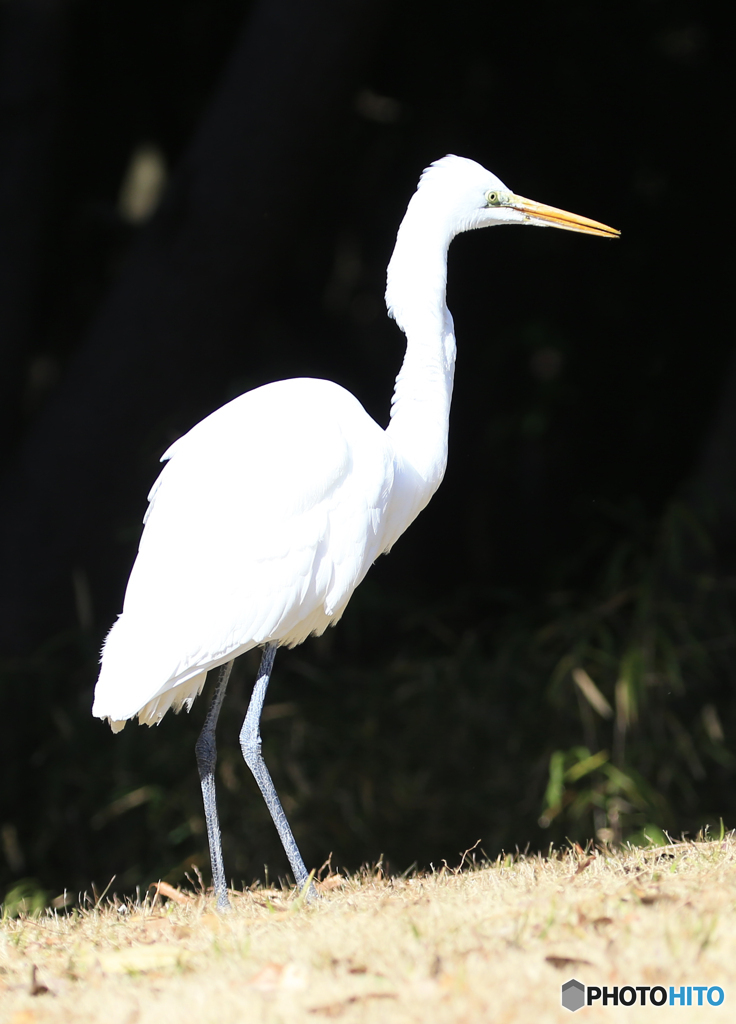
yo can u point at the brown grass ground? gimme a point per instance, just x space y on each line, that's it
492 943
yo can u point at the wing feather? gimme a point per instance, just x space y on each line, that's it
265 518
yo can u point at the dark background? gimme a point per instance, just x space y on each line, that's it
586 521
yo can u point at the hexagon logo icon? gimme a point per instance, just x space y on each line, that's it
573 995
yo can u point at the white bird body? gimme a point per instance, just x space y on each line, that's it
269 512
265 519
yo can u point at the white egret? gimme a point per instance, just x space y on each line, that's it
269 513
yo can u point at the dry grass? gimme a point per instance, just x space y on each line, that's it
492 943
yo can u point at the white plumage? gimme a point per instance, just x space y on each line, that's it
266 517
269 512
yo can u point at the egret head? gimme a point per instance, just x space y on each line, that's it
468 196
454 195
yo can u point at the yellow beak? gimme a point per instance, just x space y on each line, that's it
539 213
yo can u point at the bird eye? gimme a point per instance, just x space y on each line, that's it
494 198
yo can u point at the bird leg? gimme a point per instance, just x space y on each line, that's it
250 744
206 751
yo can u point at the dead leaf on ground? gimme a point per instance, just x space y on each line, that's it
583 865
649 896
330 883
338 1008
36 987
164 889
279 976
561 962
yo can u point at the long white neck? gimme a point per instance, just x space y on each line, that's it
415 296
